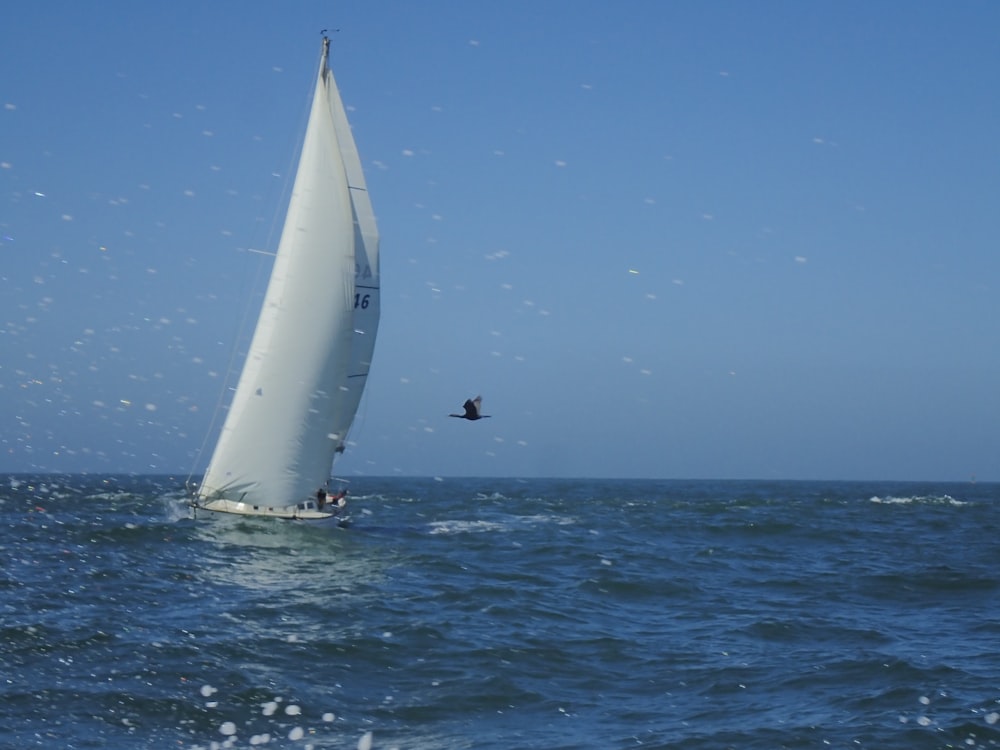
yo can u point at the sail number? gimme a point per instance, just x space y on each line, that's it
362 301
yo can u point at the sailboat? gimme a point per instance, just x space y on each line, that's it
311 350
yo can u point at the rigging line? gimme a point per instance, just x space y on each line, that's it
279 207
230 368
241 335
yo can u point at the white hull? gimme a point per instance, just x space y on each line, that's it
307 511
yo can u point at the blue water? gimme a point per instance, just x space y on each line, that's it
497 613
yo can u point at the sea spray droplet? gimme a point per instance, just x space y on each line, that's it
207 690
365 743
292 710
296 734
269 708
329 716
228 728
993 717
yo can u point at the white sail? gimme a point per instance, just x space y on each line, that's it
367 305
293 403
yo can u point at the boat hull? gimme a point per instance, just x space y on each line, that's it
307 511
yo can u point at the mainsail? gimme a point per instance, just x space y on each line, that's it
309 356
366 273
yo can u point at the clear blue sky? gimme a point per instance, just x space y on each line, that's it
662 239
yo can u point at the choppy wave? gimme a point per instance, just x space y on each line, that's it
918 499
485 613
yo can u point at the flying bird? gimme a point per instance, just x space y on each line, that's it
472 408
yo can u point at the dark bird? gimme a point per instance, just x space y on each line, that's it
472 407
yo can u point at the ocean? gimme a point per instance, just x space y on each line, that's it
503 613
